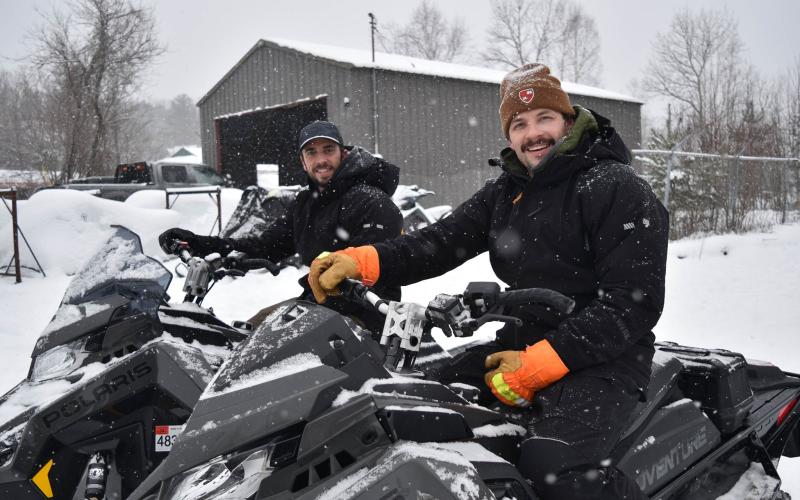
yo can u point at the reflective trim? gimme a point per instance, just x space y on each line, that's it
505 393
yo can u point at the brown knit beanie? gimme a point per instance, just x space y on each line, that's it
530 87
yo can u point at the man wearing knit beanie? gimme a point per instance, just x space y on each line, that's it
567 213
531 100
531 87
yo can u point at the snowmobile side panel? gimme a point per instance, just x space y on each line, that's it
676 437
336 421
115 411
792 444
504 480
407 470
425 423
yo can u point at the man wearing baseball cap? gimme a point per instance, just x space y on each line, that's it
569 214
348 202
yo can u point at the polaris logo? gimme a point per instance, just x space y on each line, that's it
678 454
93 396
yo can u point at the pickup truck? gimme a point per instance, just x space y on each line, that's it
131 177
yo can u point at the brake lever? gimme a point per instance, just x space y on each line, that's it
234 273
486 318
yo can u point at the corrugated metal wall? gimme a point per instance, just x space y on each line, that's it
439 131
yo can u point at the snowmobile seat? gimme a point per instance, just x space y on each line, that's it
663 379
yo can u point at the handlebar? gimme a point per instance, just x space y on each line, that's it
459 315
203 272
250 264
558 301
350 287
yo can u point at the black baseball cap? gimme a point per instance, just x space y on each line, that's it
319 130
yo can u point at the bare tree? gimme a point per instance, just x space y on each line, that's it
154 127
786 124
698 64
725 108
786 116
579 49
27 139
523 31
427 35
552 32
94 57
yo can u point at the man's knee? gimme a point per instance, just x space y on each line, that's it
559 471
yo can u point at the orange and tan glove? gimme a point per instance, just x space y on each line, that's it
330 269
517 375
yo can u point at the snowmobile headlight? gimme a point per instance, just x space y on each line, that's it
58 361
9 441
222 479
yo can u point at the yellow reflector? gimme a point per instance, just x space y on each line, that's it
42 480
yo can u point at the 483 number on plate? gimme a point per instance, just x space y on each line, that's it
166 436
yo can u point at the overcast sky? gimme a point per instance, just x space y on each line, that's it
206 38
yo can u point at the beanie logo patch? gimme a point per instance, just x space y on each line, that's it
526 95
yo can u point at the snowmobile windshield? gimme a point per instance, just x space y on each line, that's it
118 265
116 282
118 271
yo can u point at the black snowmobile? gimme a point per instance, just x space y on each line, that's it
257 209
310 406
114 376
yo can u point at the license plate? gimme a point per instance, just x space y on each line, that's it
166 435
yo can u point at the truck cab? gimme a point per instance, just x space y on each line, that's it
167 174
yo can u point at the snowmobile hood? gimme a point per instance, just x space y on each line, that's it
360 166
286 373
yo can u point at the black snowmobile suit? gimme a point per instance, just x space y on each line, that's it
583 224
354 209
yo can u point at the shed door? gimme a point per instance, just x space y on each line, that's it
265 136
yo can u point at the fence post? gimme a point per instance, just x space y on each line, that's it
17 269
785 208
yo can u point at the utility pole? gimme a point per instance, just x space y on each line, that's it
373 27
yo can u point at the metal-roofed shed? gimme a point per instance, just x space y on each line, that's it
437 121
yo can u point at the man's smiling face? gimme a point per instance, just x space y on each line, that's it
533 133
321 157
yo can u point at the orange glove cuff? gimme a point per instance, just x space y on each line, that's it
541 366
368 264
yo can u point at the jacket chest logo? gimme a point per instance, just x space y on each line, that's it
526 95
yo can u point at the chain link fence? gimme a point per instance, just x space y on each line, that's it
713 193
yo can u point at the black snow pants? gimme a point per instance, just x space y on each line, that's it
572 427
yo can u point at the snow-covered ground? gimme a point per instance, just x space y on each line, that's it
734 291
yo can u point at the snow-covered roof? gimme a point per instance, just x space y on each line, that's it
185 151
183 155
406 64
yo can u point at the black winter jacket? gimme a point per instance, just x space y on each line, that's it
355 209
585 225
